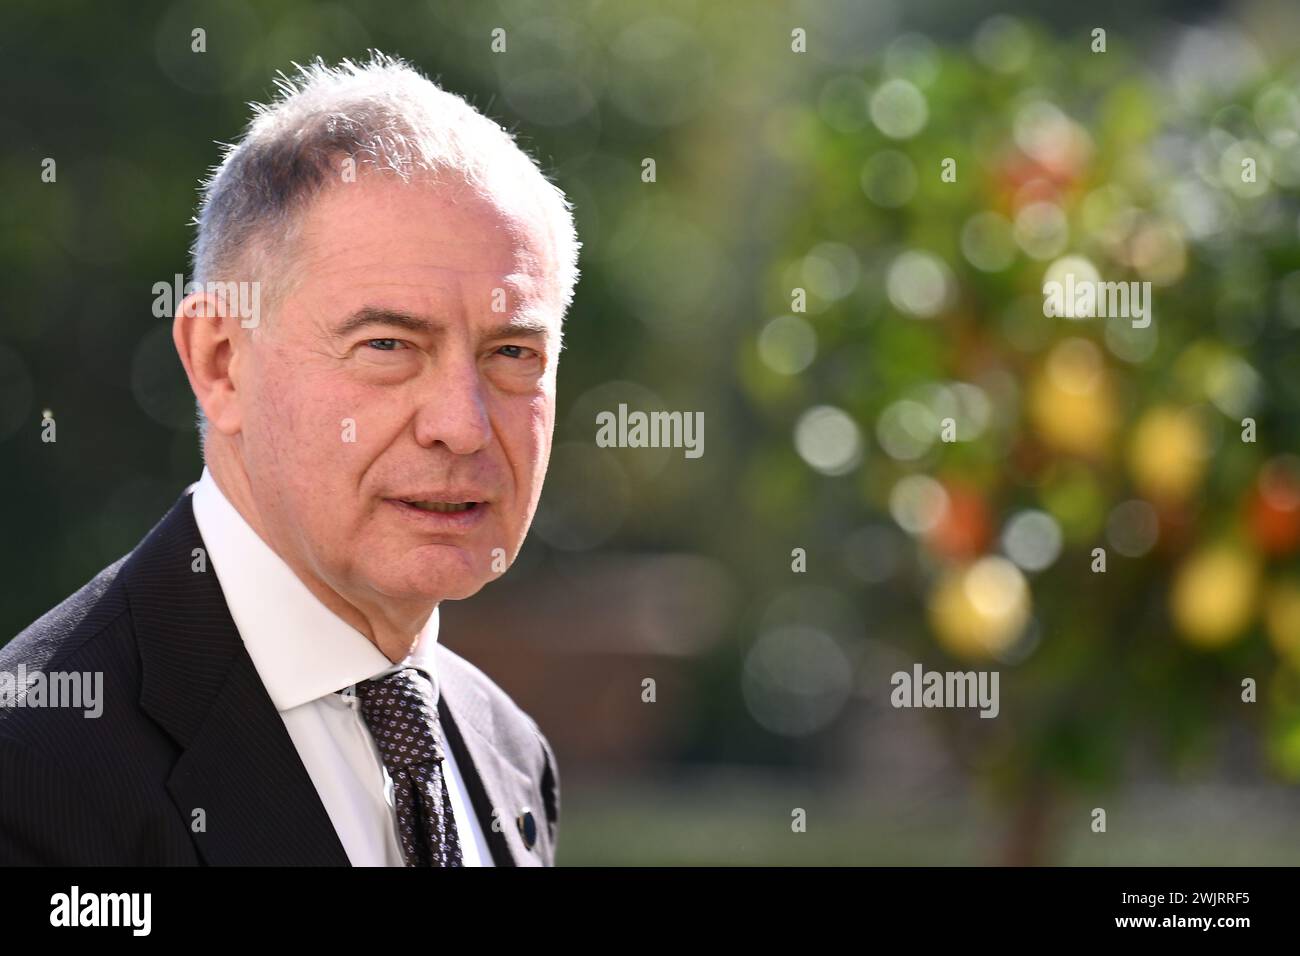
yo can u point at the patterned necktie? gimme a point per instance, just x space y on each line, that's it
402 713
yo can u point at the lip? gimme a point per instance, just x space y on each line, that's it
454 522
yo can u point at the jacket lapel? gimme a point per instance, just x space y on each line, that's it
239 785
498 790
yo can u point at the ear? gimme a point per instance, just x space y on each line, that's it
205 340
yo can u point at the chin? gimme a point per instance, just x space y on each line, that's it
437 580
430 589
460 593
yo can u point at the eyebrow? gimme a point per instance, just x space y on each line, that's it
395 318
369 315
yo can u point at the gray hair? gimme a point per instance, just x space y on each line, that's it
381 114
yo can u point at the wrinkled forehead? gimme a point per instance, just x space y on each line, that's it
498 225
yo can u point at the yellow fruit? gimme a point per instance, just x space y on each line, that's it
1071 402
978 610
1214 595
1167 453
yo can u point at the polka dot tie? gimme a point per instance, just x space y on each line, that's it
402 713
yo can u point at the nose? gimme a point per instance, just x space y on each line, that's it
453 409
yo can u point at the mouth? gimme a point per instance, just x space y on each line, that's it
452 513
442 507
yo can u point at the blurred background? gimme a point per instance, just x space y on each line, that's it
801 271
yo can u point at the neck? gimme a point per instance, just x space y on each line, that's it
393 630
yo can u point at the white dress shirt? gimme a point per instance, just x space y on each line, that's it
304 653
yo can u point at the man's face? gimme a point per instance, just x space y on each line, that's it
397 407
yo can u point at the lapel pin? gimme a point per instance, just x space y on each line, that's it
527 826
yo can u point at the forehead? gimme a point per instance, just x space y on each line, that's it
381 230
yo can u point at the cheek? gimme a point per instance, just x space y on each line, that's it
273 423
283 442
535 430
544 431
311 424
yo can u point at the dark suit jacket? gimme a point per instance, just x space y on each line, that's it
187 724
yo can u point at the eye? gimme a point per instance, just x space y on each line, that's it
384 345
515 351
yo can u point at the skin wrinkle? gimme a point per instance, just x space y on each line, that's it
448 409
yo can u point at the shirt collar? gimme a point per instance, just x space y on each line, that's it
302 650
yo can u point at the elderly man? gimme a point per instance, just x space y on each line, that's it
375 438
